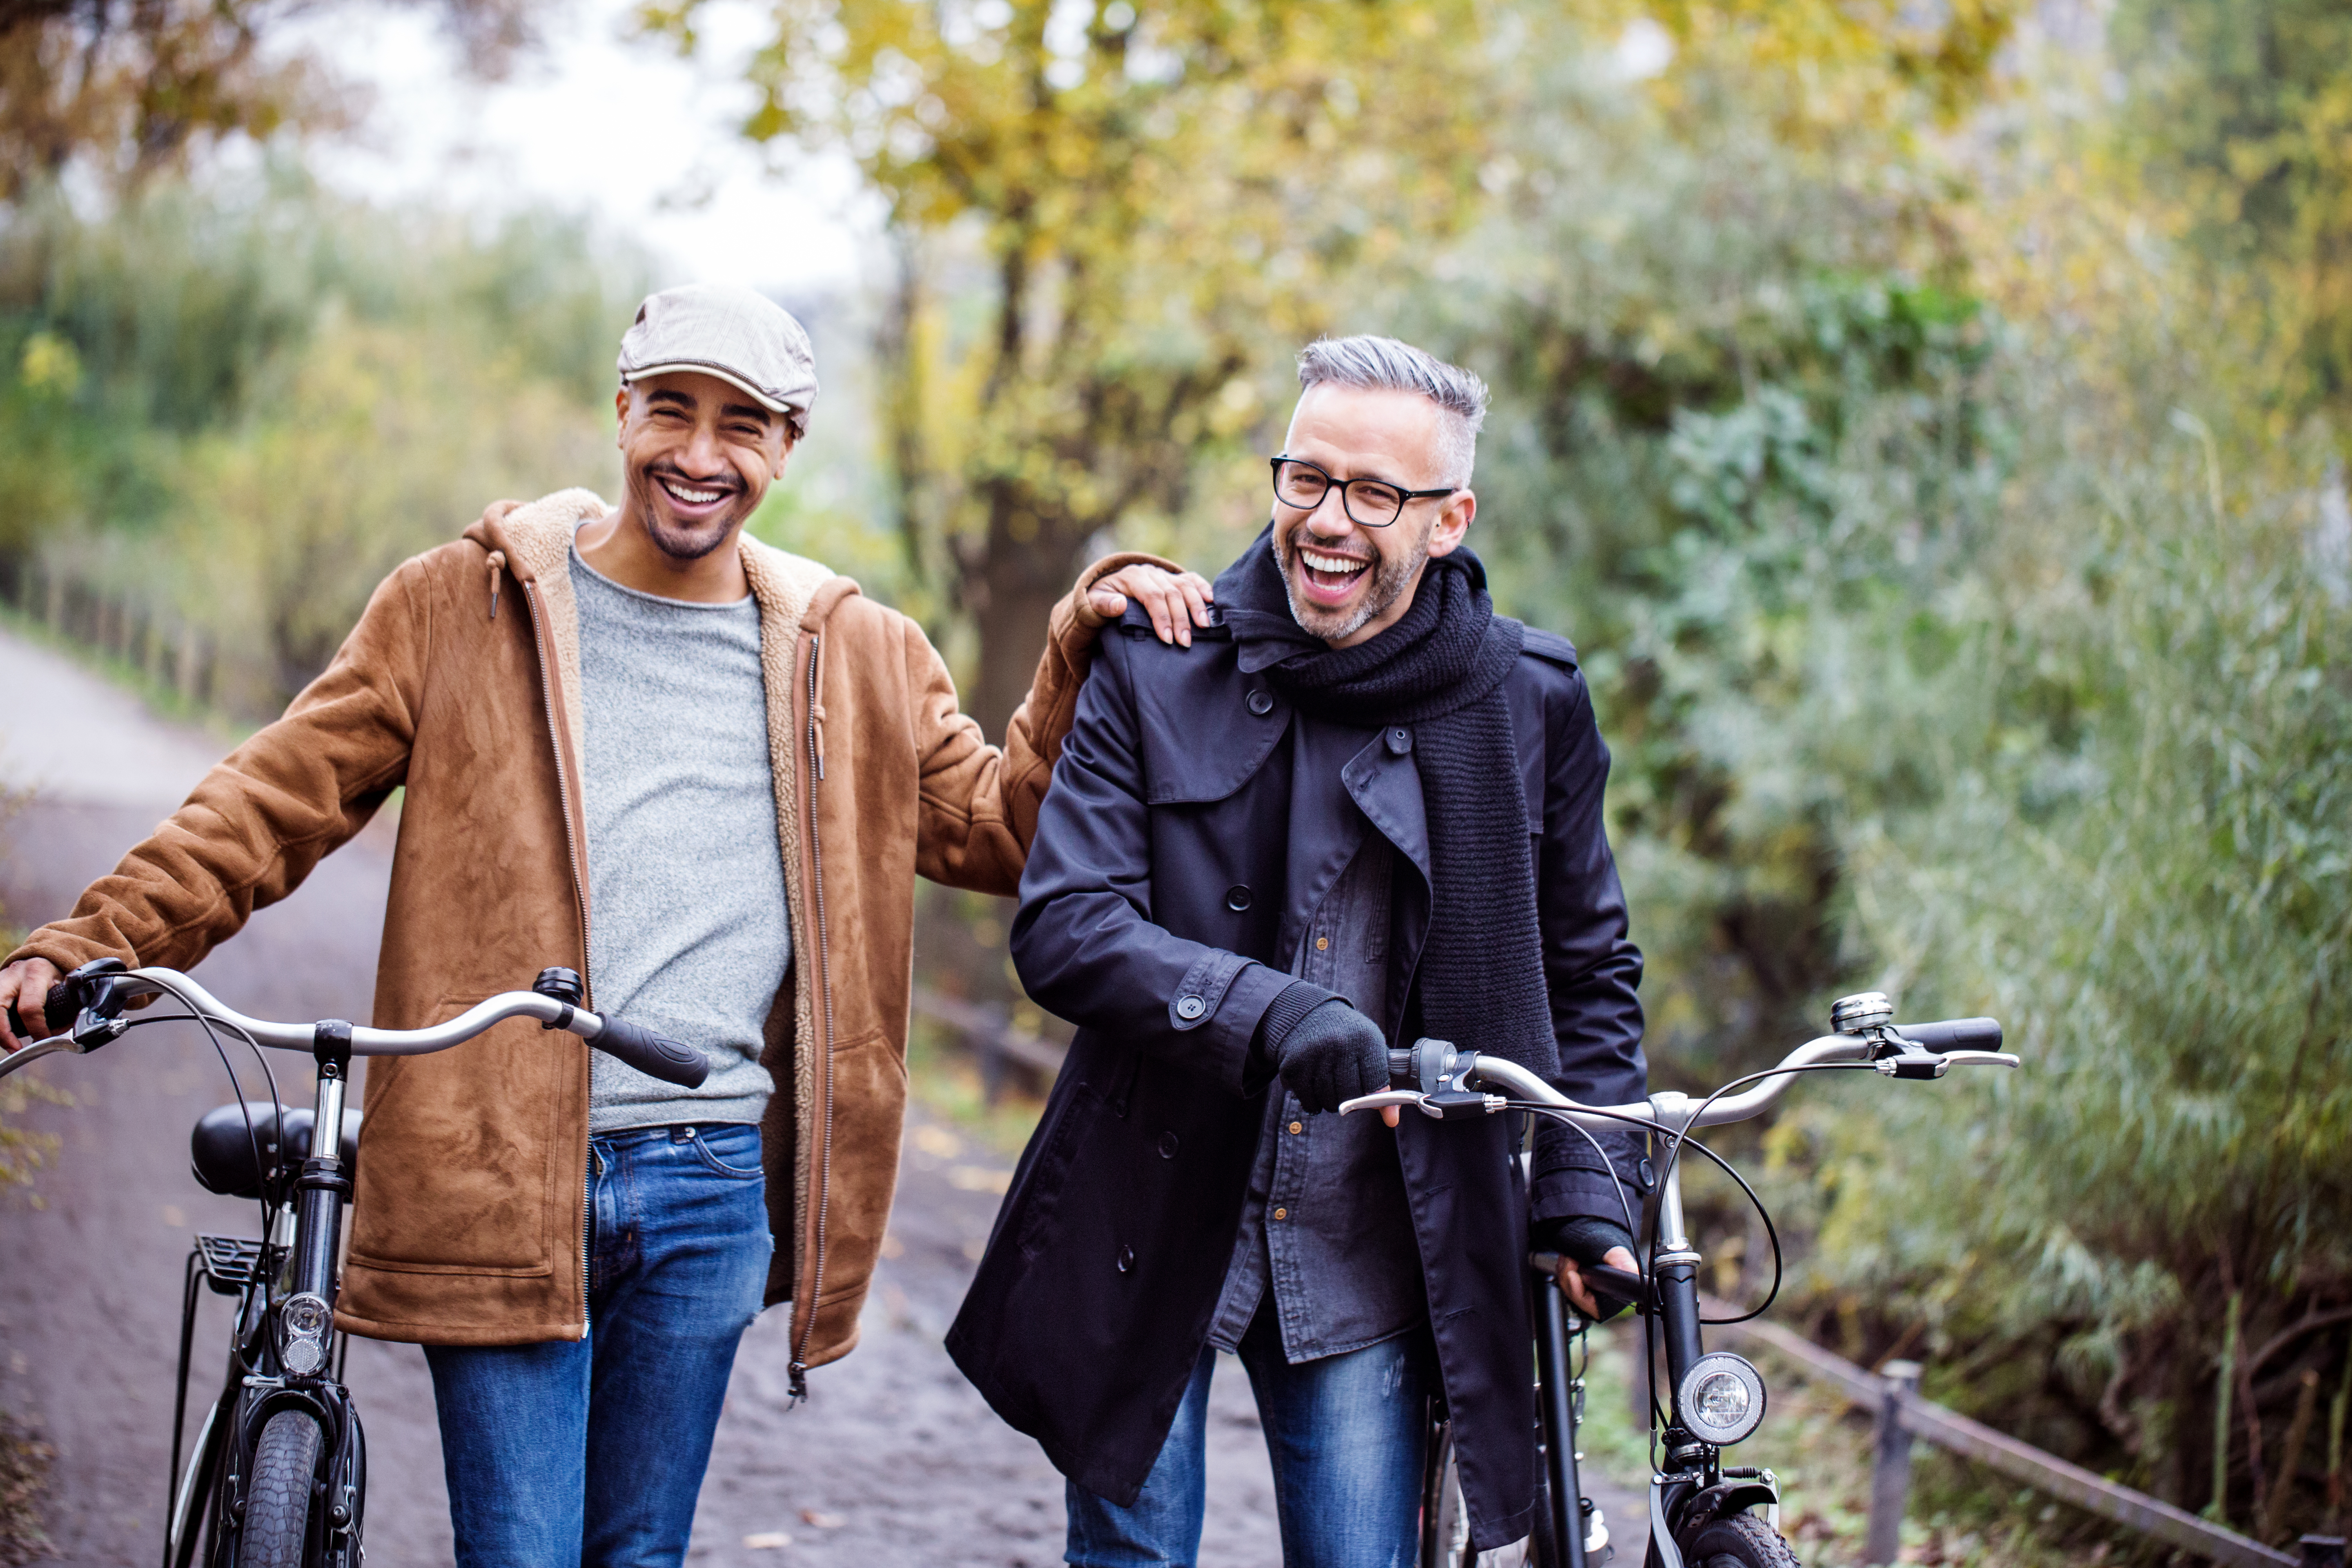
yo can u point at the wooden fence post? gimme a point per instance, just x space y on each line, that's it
989 1039
1890 1472
2323 1551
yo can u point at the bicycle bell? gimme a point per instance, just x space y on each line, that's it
1722 1397
1863 1010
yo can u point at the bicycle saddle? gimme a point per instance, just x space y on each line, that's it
221 1149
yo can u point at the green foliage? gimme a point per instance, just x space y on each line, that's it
2236 125
1942 650
240 406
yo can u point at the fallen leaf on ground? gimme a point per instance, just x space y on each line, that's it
767 1540
822 1521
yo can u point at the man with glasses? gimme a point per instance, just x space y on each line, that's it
1361 809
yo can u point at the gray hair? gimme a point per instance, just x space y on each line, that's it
1384 364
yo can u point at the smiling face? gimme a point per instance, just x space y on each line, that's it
1347 583
697 454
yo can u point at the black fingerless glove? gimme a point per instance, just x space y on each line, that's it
1586 1238
1329 1054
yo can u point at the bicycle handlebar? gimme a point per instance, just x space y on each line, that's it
641 1049
1443 1077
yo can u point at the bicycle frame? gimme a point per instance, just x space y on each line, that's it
283 1354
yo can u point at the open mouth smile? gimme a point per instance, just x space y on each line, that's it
1329 579
690 496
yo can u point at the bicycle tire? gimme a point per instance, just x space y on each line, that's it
1453 1529
1737 1541
277 1529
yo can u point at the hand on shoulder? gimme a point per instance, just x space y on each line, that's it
1176 601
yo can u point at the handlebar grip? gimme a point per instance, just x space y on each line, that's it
57 1015
1954 1035
1617 1282
1400 1066
652 1055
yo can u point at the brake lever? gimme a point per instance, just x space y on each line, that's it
1454 1106
1927 1064
1382 1100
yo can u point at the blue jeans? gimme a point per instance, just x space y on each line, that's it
1346 1435
593 1452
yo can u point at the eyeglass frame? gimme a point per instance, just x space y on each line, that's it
1273 470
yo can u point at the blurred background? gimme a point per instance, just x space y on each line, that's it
1929 420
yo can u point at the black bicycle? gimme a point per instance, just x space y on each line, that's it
278 1475
1703 1513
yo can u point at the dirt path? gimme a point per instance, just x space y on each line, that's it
894 1460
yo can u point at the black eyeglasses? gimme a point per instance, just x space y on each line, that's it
1299 483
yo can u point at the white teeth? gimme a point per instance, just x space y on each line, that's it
1335 563
690 496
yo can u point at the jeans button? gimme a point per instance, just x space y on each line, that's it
1125 1258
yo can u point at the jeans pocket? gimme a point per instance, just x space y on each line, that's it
733 1151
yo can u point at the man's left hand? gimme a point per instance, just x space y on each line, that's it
1176 602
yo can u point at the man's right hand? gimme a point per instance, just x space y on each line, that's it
25 991
1331 1056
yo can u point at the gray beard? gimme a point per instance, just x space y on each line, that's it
1389 580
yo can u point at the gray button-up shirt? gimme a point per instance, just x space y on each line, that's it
1325 1223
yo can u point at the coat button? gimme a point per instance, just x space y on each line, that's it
1168 1145
1125 1258
1189 1007
1237 896
1261 702
1400 742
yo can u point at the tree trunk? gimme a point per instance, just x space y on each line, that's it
1031 563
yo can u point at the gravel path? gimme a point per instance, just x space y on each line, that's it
894 1460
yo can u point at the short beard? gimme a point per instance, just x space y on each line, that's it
1389 581
678 544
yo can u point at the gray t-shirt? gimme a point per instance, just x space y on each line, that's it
688 930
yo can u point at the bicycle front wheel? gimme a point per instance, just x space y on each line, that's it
1737 1541
276 1530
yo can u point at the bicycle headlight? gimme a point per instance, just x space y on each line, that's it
1722 1398
304 1319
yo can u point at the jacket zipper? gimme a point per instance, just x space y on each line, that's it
799 1368
579 898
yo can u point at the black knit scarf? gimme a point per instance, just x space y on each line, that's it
1439 671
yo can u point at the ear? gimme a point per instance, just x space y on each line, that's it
1453 522
620 412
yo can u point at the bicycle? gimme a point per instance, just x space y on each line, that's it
1702 1512
278 1475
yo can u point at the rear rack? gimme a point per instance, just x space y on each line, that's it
228 1263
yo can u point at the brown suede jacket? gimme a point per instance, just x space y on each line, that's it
462 684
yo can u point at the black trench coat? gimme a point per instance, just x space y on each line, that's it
1153 913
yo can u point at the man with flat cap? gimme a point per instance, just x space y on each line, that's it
704 773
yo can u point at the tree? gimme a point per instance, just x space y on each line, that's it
132 87
1160 194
